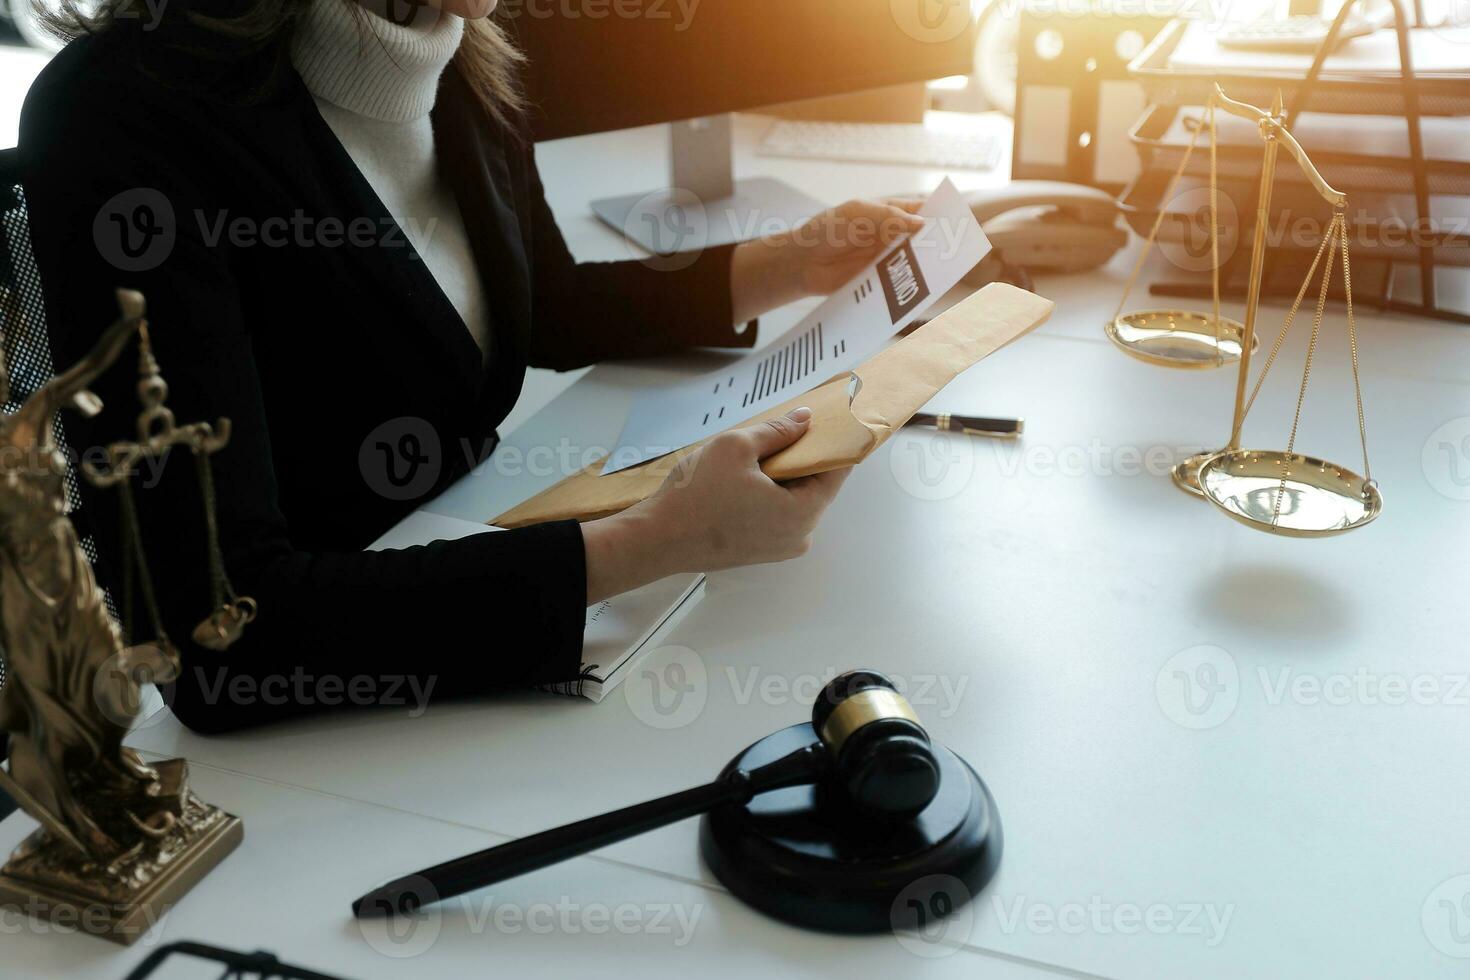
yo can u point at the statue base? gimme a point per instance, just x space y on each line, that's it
122 900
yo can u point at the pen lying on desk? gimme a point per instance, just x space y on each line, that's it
971 425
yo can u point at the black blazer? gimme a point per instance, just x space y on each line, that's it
336 356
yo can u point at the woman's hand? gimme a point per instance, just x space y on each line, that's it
818 256
716 510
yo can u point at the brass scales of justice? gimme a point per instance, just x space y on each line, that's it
1281 492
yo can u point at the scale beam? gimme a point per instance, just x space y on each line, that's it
1272 124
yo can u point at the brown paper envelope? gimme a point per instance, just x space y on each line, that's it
852 415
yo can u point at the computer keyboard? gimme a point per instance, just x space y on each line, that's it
1300 32
903 143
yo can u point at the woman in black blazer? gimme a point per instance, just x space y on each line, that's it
186 157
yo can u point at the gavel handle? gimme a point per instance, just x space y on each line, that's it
518 857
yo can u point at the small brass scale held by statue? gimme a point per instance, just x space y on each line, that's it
120 841
1278 491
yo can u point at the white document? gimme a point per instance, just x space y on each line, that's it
854 322
622 630
422 527
619 631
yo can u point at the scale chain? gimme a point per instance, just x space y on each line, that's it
1286 326
135 571
1347 284
1333 230
1215 234
221 591
1153 232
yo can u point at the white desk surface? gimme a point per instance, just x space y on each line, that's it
1043 600
283 891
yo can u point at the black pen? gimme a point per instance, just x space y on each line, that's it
971 425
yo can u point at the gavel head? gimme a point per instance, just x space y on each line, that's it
880 753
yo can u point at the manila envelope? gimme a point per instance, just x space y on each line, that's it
852 414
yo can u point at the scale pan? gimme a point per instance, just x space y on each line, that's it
1289 494
1178 338
1186 473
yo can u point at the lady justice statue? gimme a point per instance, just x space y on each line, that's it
119 840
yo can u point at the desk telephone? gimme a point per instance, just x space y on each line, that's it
1047 224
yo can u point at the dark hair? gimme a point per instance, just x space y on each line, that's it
223 35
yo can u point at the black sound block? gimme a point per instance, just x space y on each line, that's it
804 855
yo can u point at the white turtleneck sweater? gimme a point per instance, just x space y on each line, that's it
374 83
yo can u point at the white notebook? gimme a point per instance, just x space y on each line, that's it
619 631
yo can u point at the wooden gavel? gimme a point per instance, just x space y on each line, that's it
870 743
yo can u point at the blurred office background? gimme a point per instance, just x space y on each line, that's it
25 48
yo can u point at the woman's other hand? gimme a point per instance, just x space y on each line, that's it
716 510
818 256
